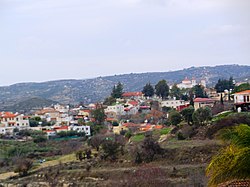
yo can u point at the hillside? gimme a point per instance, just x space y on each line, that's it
96 89
29 104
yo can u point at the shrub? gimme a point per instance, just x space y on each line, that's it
23 166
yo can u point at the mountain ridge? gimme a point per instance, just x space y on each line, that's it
72 91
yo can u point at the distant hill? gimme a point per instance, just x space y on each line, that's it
96 89
29 104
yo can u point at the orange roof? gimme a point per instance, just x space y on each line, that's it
8 115
131 94
158 127
134 103
246 92
61 128
130 125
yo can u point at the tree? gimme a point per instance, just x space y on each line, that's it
202 115
175 92
117 91
162 89
96 141
175 118
199 91
224 84
99 115
150 148
111 148
233 161
148 90
187 114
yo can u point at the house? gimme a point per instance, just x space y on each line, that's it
173 103
10 121
242 100
85 129
117 109
58 115
203 102
50 132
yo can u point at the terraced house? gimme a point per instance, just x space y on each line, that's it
9 121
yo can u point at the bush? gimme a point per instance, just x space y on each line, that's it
23 166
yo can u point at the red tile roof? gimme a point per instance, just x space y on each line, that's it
131 125
134 103
131 94
8 115
61 128
207 100
246 92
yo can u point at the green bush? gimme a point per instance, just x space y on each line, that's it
137 138
165 131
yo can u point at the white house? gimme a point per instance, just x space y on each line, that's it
242 97
85 129
242 100
118 109
173 103
10 121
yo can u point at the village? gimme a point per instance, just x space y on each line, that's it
133 111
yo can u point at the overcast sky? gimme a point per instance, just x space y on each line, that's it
44 40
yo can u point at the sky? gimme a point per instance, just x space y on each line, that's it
43 40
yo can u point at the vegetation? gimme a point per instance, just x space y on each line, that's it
175 118
148 90
224 84
233 161
162 89
137 138
175 92
99 115
187 114
23 165
117 91
109 101
199 91
241 87
202 115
